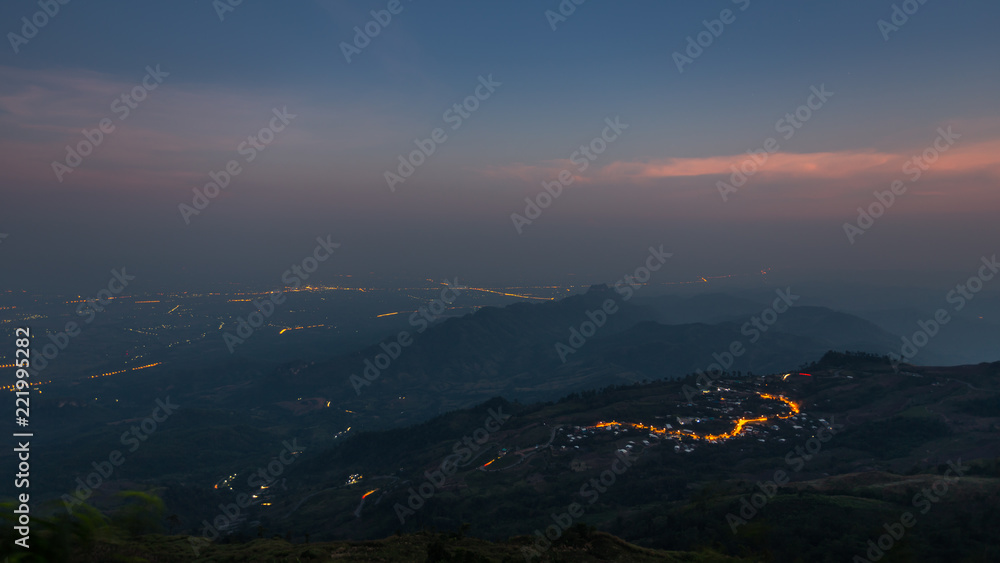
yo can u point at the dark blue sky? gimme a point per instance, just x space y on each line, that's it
658 183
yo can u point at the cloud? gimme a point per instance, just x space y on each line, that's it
175 137
964 159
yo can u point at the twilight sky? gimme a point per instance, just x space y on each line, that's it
198 80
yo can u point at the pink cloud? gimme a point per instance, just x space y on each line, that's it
976 158
811 165
172 140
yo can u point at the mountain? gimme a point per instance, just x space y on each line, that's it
537 352
234 419
512 352
247 409
966 338
708 308
862 438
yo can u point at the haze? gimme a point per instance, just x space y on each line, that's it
689 120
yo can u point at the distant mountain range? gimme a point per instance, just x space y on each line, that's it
368 446
512 351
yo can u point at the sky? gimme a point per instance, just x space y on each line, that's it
642 108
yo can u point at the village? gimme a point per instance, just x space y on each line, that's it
734 409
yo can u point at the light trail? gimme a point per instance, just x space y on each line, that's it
742 423
124 370
794 407
12 387
137 368
286 329
512 294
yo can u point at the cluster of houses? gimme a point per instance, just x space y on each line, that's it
731 410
